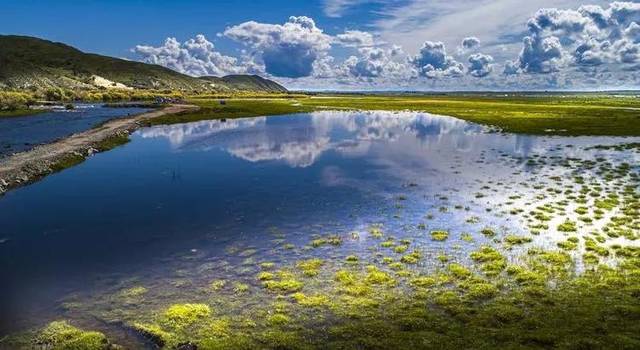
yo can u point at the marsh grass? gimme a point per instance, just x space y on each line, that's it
67 161
541 114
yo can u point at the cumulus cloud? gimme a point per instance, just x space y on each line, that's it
433 61
287 50
511 68
375 62
589 44
470 42
480 65
370 64
396 50
589 36
355 38
195 56
540 54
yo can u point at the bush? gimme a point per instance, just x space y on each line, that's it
15 100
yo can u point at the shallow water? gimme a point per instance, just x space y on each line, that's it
179 202
23 133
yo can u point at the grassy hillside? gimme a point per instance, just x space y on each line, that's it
251 82
32 63
248 83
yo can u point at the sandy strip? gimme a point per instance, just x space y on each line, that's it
29 166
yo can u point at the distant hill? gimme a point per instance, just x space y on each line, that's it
28 62
248 82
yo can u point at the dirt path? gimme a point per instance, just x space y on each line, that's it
26 167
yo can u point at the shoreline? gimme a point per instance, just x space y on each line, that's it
29 166
20 113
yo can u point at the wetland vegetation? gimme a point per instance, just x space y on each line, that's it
535 248
539 114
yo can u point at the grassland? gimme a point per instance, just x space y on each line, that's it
540 115
574 115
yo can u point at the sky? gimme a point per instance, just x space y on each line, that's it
430 45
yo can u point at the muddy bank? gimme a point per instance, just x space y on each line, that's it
26 167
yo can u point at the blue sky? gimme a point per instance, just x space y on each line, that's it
358 44
112 27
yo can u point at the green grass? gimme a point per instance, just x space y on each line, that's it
112 142
556 115
238 108
67 162
19 113
73 159
540 114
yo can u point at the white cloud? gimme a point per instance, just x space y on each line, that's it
540 54
511 67
470 42
355 38
370 64
589 36
433 61
195 57
287 50
480 65
562 47
337 8
495 22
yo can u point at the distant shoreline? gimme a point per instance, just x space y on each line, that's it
26 167
52 106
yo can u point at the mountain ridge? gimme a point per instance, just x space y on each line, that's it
33 63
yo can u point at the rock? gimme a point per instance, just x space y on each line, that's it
4 183
91 151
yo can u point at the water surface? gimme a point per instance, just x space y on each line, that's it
177 199
19 134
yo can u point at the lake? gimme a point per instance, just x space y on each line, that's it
183 205
19 134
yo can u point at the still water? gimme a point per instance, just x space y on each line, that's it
23 133
176 197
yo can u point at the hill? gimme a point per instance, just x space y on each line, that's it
248 82
28 63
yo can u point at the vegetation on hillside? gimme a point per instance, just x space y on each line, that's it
61 72
248 83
